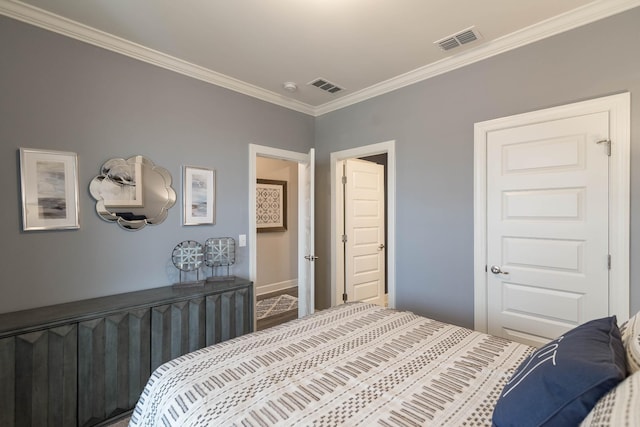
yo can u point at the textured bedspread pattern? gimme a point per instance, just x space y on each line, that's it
356 364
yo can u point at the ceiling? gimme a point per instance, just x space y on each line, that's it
366 47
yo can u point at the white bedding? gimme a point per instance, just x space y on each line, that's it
356 364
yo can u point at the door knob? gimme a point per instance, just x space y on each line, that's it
497 270
381 247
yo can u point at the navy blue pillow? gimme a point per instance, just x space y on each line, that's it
561 382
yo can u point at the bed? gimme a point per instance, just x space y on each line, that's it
356 364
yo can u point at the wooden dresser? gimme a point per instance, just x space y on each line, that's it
84 362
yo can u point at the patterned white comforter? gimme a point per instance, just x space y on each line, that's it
354 365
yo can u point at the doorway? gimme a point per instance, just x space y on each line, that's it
363 225
552 219
276 284
299 167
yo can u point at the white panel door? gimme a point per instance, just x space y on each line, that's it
306 238
547 227
364 228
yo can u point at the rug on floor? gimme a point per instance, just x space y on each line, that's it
275 305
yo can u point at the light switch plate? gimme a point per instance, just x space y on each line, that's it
242 240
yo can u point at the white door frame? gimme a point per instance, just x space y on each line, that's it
389 148
619 108
256 151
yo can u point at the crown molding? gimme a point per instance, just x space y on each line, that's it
591 12
586 14
58 24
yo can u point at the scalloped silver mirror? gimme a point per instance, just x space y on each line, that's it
133 192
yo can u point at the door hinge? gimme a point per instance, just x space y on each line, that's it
344 179
486 269
344 297
344 238
606 142
609 261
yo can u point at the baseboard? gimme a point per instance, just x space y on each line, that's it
275 287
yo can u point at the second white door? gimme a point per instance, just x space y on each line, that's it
365 231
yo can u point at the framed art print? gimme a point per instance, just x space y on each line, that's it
122 184
49 186
198 196
271 205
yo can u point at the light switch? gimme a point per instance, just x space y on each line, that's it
242 240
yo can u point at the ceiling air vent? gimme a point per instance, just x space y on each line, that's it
325 85
463 37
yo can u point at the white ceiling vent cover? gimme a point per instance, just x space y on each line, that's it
326 85
463 37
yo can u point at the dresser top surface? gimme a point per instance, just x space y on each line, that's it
24 320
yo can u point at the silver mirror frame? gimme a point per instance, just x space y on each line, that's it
166 194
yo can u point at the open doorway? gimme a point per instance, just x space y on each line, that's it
304 201
276 283
363 224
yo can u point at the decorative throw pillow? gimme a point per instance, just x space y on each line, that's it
631 341
620 407
561 382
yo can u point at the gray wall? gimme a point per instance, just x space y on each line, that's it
60 94
432 123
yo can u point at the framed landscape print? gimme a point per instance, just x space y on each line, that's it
122 185
198 196
49 186
271 205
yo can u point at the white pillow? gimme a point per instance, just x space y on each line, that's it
620 407
630 332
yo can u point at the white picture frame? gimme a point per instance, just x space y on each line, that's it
198 196
49 189
122 186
